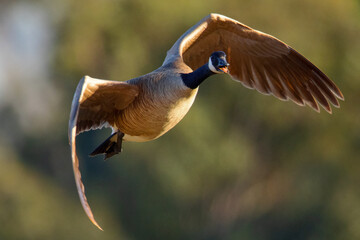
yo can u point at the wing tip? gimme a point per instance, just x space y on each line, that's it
340 95
84 202
316 109
328 109
96 224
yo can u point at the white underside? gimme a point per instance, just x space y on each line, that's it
130 138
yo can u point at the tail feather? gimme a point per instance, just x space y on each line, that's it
110 147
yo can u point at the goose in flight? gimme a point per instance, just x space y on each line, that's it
146 107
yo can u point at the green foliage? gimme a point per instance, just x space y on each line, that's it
239 166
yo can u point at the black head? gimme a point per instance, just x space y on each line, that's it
218 63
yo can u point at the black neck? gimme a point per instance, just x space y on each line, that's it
195 78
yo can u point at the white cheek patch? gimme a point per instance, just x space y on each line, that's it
212 68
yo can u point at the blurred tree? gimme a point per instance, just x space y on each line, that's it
244 166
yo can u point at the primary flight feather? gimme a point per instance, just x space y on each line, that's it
144 108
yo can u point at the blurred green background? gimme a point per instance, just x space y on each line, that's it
239 166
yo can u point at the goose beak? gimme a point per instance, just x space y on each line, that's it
224 69
223 65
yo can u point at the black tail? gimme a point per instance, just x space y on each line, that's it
110 147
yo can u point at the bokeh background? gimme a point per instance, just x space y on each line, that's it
239 166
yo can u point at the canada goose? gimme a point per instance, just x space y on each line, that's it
144 108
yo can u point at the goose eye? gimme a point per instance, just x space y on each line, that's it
214 60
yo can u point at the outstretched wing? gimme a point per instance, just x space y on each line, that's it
258 60
96 103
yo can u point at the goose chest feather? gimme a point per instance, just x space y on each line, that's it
144 108
162 102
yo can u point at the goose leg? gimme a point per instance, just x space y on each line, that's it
111 146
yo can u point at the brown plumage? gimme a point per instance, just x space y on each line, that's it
145 108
